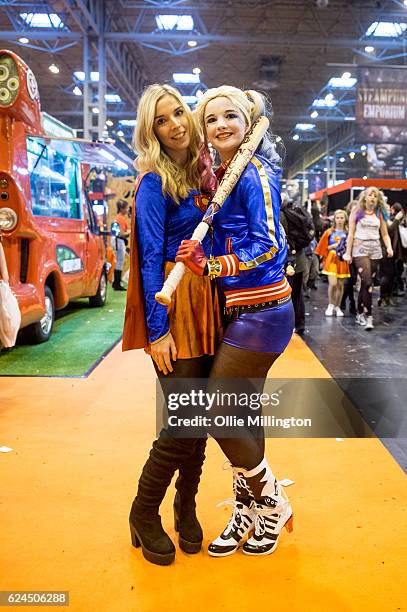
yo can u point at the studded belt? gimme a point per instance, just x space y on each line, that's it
234 312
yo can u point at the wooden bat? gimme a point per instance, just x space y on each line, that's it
239 162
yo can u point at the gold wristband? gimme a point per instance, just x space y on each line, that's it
214 267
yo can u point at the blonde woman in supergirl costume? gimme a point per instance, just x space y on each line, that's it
181 340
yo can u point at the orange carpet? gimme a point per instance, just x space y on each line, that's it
78 447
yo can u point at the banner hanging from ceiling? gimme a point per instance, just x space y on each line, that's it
381 105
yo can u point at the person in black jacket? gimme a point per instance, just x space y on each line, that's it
297 258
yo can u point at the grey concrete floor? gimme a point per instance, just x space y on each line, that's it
370 366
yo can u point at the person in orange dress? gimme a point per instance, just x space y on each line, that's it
333 266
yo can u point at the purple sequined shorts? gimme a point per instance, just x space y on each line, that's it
267 331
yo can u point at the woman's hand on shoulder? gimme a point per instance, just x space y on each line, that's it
162 352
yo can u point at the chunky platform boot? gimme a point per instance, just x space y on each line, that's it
145 522
185 520
241 522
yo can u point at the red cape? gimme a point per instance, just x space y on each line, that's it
135 334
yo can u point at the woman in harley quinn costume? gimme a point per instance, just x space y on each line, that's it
249 252
183 340
367 223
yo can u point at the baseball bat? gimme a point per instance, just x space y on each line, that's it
234 171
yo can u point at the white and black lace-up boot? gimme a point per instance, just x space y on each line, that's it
241 522
271 515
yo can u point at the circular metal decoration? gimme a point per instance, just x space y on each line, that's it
13 84
32 85
5 95
4 73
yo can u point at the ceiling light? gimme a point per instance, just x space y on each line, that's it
94 76
342 82
325 169
305 126
342 159
364 177
128 122
23 40
76 91
113 98
95 110
324 103
109 122
184 77
174 22
120 133
192 43
346 75
42 20
352 154
314 114
296 137
363 148
190 99
53 68
388 29
369 49
196 71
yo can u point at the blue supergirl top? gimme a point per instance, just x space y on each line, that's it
335 236
161 226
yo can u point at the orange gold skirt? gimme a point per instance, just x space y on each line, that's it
194 315
333 266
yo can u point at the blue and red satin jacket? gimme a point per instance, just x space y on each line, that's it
161 226
249 240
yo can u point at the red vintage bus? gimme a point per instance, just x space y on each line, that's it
53 245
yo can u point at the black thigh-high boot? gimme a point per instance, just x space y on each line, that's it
186 522
166 455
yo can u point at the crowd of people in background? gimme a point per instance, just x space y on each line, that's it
354 251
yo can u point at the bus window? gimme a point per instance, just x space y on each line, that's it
54 180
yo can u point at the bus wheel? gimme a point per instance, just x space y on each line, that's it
41 331
100 298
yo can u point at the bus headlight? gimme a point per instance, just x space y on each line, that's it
13 84
4 73
9 81
5 95
8 219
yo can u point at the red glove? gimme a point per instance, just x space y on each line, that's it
193 256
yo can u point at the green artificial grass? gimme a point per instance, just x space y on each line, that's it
81 335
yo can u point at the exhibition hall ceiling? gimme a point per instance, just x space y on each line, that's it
287 49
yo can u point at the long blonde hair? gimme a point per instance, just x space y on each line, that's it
362 206
251 104
345 225
177 182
